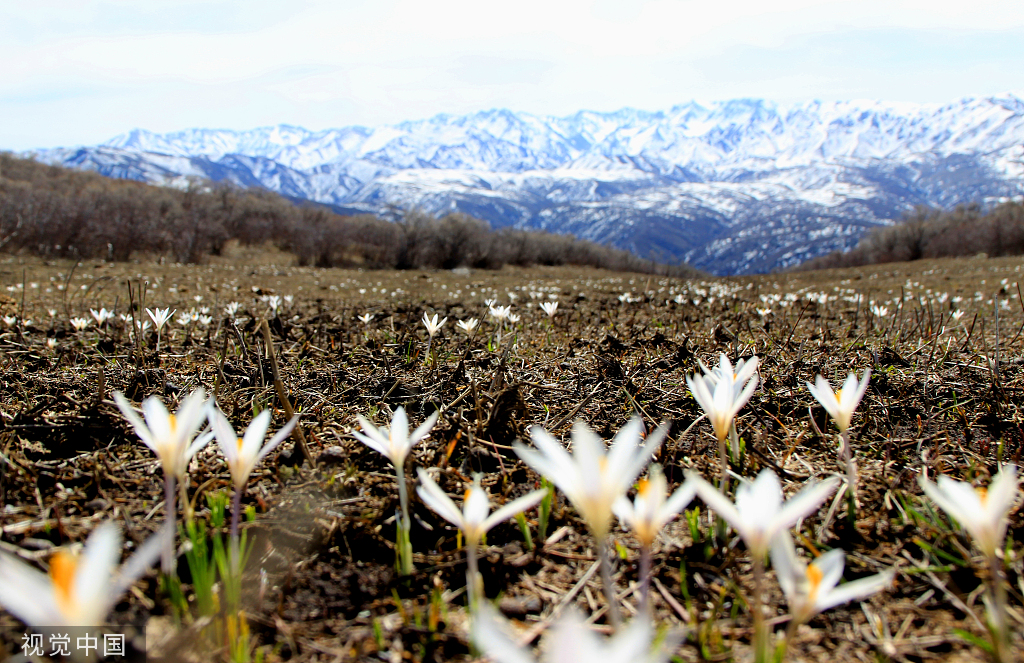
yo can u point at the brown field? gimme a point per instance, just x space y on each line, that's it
944 396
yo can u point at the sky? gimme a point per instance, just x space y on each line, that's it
78 72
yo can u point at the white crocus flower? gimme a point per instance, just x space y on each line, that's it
571 640
592 479
759 512
80 324
982 512
722 392
80 589
395 443
500 312
549 308
433 325
244 453
758 516
160 316
468 326
813 588
475 518
170 437
366 318
652 509
840 405
647 514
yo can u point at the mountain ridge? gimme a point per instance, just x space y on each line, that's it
735 186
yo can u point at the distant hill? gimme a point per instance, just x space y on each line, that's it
730 187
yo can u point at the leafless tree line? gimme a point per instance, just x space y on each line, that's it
930 233
55 211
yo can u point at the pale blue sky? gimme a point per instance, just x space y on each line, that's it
82 71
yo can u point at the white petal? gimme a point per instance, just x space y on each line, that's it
28 594
718 503
831 565
789 570
517 505
1002 492
158 419
225 433
679 500
803 504
279 437
436 499
95 570
856 590
399 431
423 430
490 635
254 434
141 429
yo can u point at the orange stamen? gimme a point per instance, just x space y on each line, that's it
982 495
643 486
814 576
62 573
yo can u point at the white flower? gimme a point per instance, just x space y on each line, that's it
366 317
80 324
80 589
244 453
468 326
433 325
957 314
571 640
814 588
880 311
592 479
841 405
169 435
160 316
184 319
513 318
395 443
982 512
232 309
205 320
650 510
475 518
101 315
723 391
500 312
549 308
759 513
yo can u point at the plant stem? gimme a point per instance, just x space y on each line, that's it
236 508
645 579
851 473
760 628
606 580
472 575
723 473
404 545
997 591
171 523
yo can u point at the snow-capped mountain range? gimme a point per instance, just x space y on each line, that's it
730 187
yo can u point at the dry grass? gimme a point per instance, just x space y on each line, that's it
939 399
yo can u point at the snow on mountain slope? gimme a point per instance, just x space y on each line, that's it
734 186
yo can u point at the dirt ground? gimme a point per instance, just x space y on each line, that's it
945 396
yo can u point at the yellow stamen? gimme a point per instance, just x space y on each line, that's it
62 573
982 495
643 486
239 445
173 422
465 496
814 576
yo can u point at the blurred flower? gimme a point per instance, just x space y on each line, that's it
365 318
571 640
840 405
500 312
468 326
101 316
80 324
980 511
549 308
80 589
880 311
814 588
395 443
